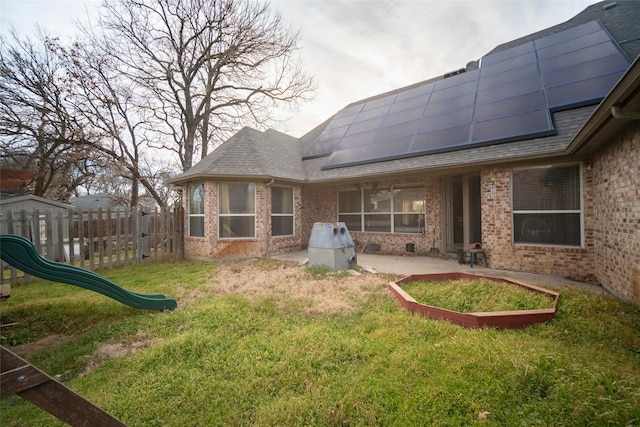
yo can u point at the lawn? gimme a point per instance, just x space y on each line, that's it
270 343
478 295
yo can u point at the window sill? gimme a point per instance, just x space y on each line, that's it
549 248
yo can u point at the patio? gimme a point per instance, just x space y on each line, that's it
408 265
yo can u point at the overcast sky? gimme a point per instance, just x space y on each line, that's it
357 49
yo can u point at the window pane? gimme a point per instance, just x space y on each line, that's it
196 199
408 199
237 226
237 198
380 223
349 201
550 188
281 200
548 228
196 226
281 225
377 201
408 223
353 222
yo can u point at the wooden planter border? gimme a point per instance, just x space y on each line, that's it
495 319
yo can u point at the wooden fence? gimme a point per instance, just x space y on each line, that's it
97 239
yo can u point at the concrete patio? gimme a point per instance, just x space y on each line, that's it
415 264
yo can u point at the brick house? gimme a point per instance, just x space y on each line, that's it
534 151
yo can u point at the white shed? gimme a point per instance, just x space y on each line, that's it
28 216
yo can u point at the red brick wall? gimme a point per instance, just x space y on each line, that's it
321 205
497 239
616 180
211 247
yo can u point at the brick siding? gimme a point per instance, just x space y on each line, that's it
210 246
616 180
497 234
321 205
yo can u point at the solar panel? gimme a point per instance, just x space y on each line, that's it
510 106
532 123
509 97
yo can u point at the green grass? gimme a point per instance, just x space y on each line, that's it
226 360
473 296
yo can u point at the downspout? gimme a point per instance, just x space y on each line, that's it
265 210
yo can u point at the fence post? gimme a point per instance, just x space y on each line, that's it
48 234
60 243
71 229
27 229
81 242
108 238
12 270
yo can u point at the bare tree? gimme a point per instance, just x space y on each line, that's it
207 66
38 128
109 103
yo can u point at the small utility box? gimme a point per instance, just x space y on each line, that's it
331 244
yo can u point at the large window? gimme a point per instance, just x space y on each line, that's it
350 209
388 210
196 210
408 210
237 211
547 205
281 211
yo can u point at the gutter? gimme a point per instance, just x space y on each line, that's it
616 112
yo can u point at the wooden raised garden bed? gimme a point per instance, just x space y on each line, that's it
496 319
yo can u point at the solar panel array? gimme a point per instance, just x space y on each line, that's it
510 97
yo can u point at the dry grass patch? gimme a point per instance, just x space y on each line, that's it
289 281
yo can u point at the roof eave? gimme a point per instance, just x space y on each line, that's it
180 181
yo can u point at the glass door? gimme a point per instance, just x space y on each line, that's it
462 211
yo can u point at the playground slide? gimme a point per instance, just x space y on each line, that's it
20 253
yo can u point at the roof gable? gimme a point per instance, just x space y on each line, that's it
251 153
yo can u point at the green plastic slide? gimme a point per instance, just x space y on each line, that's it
20 253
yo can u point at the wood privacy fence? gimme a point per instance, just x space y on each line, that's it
97 239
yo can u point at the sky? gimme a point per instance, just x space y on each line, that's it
358 48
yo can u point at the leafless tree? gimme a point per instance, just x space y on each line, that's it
38 128
109 104
207 66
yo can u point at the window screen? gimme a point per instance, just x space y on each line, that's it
388 210
547 205
281 211
196 210
237 210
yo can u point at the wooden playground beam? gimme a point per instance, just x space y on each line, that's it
17 376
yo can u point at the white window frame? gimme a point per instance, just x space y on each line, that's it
232 215
580 211
291 215
391 213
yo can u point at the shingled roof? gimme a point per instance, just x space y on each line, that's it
251 153
271 154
